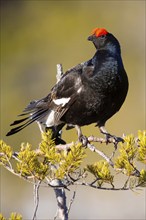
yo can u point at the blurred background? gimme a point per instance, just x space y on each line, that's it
37 35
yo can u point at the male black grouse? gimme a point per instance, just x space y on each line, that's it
90 92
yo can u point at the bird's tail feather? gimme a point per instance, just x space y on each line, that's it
32 114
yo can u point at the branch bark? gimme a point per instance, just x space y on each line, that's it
36 198
62 212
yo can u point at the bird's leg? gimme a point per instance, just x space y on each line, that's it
109 136
81 137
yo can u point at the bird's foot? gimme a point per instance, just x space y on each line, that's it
110 138
113 139
84 140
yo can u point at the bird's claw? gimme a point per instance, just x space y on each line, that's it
112 138
84 140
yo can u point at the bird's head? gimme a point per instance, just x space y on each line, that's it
102 39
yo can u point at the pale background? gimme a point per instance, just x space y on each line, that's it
35 36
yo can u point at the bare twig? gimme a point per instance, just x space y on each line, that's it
113 153
64 146
100 140
36 198
59 72
100 187
71 201
94 149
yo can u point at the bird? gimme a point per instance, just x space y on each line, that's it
90 92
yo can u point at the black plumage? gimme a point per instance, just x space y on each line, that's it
90 92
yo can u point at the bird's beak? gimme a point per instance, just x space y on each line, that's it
90 38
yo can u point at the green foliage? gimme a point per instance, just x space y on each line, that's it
48 150
45 161
13 216
48 162
29 163
131 151
128 153
2 217
142 178
134 149
5 153
61 163
71 161
141 146
101 171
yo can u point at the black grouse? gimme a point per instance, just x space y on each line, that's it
90 92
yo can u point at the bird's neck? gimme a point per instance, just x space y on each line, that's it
112 47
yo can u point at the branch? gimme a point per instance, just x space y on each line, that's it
62 212
100 187
59 72
71 201
94 149
64 147
36 197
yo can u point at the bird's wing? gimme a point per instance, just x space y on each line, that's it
59 100
86 68
65 93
